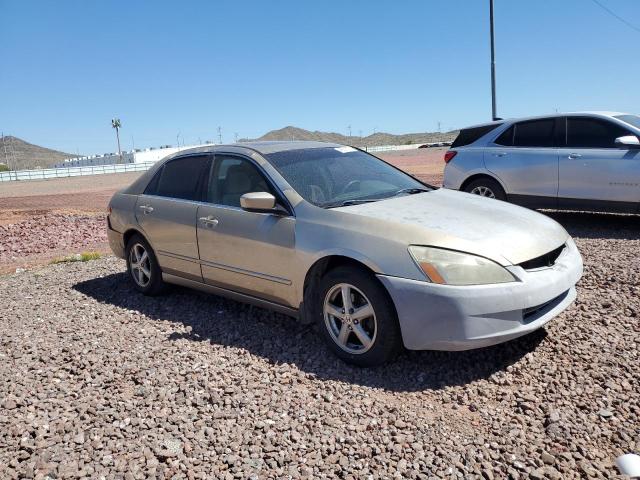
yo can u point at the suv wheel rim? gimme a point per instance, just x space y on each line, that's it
350 318
140 265
483 192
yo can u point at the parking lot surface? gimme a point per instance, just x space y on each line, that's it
99 381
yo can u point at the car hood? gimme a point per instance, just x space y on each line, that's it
503 232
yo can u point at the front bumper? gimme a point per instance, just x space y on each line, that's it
116 241
443 317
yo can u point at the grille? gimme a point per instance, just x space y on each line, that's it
546 260
527 313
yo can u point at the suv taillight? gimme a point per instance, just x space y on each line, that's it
448 155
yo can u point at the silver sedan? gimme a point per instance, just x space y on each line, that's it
333 235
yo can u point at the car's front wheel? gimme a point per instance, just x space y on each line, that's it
143 267
486 187
357 317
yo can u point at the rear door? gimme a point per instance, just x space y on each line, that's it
247 252
525 158
594 171
167 210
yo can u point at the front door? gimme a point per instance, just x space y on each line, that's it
167 211
525 158
594 171
248 252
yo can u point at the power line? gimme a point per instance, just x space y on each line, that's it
615 15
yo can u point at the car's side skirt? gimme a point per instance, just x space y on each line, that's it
223 292
532 201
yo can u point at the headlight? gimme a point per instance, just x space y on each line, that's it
456 268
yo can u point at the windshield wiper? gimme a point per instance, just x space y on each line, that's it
346 203
411 191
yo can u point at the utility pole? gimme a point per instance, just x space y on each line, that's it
219 134
115 123
235 135
349 128
494 114
439 130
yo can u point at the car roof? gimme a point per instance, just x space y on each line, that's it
262 147
595 113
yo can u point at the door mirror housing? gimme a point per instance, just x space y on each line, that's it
258 202
628 141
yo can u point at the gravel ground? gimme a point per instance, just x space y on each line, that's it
43 236
98 381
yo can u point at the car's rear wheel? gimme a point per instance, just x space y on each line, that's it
486 187
143 267
357 317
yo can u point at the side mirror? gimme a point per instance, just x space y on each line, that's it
258 201
628 141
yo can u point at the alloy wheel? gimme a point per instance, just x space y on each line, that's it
140 265
483 192
350 318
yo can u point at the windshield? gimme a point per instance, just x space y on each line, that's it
630 119
331 177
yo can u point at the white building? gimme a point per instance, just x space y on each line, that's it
135 156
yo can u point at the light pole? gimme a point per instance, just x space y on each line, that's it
494 114
115 123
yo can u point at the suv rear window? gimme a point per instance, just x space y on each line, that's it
470 135
533 133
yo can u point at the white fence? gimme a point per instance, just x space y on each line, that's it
389 148
130 167
43 174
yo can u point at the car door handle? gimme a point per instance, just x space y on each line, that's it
209 221
573 156
146 208
501 154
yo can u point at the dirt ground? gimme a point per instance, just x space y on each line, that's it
43 220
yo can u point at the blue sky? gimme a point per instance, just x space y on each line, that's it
168 68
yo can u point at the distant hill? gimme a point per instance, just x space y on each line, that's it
21 155
378 138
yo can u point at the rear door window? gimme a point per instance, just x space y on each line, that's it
469 135
585 132
505 138
534 133
182 178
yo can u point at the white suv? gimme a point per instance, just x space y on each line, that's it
581 161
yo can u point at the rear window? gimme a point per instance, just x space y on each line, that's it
536 133
180 178
469 135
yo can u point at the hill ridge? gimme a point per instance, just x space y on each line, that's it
379 138
18 154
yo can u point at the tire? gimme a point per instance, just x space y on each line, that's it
149 282
343 331
486 187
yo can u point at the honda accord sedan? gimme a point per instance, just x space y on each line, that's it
333 235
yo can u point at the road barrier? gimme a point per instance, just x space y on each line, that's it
45 173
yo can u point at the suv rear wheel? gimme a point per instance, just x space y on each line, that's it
486 187
357 317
